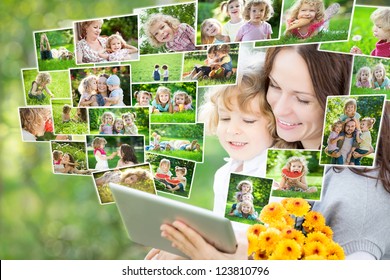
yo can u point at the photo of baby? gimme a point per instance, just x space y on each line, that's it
296 173
138 177
247 196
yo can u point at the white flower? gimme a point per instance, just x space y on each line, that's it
357 38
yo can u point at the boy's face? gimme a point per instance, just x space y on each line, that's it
164 167
112 87
380 33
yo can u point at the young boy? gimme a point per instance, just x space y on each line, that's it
116 95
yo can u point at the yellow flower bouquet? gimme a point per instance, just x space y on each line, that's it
282 240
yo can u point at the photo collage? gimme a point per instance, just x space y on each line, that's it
256 98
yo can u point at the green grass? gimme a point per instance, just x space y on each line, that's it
161 188
71 127
365 161
141 131
241 220
364 91
59 86
178 117
361 25
183 154
55 63
141 71
312 180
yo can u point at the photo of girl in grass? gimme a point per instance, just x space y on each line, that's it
170 102
68 119
215 66
370 33
172 175
69 157
371 76
90 87
107 152
296 173
138 177
310 21
125 121
40 87
184 141
54 49
247 196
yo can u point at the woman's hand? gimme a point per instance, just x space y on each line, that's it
194 246
157 254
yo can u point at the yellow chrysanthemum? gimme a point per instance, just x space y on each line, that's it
255 230
260 255
253 244
268 239
297 207
335 251
327 231
289 220
313 220
278 224
272 212
315 248
293 234
286 249
317 237
314 258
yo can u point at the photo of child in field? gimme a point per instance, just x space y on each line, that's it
69 157
68 119
296 173
138 177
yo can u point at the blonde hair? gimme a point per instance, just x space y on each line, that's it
225 4
165 161
115 122
362 70
137 94
370 122
117 36
183 170
43 78
269 10
318 4
302 160
245 182
131 115
336 123
106 114
206 39
33 118
85 84
350 101
141 174
172 22
162 89
66 109
381 17
187 97
97 141
247 203
85 24
376 67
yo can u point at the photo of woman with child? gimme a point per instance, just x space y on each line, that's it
99 41
69 157
101 86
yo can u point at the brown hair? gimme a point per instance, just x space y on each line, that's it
33 118
98 141
128 153
82 27
269 11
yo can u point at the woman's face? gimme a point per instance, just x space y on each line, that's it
131 179
298 114
243 135
101 85
94 29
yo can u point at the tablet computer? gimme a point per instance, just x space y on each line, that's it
143 213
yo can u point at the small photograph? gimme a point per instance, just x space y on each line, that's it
158 67
106 40
54 49
172 175
69 157
237 21
370 76
101 86
296 173
123 121
68 119
40 87
138 177
215 66
370 33
313 21
184 141
37 124
107 152
351 130
170 102
247 196
167 29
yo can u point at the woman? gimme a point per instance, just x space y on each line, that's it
102 89
297 81
90 43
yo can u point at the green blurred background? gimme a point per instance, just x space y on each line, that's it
42 215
